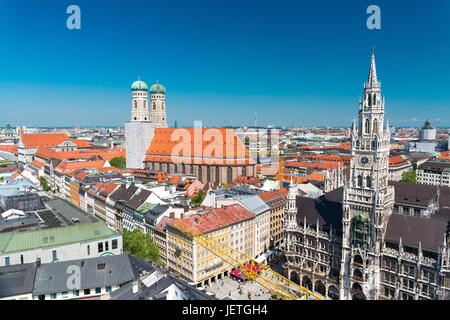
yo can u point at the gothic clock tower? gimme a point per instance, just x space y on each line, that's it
368 199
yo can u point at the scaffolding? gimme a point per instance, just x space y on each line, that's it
262 274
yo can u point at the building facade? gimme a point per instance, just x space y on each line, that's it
436 173
370 239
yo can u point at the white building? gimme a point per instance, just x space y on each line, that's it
427 140
436 173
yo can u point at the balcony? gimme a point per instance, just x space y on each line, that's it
429 262
409 257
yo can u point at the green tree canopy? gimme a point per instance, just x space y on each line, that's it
140 244
198 199
118 162
44 183
409 176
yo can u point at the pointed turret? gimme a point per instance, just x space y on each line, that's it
372 81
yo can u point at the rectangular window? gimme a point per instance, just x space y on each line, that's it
21 259
54 255
65 294
76 293
88 250
100 247
114 244
53 296
106 245
108 289
98 290
87 291
7 261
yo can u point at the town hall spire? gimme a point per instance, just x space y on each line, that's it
372 80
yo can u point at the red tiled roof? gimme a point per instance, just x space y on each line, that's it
81 175
216 218
175 179
162 224
46 153
316 165
43 139
283 192
106 154
396 161
179 146
272 199
81 143
244 180
37 163
68 167
10 148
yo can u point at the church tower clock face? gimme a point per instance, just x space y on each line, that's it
364 161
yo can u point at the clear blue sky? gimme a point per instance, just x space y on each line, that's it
301 62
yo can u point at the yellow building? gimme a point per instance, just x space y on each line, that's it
197 264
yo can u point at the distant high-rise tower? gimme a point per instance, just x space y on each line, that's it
158 105
139 131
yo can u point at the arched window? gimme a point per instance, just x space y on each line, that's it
360 181
200 173
369 182
367 126
374 99
360 230
358 260
375 126
162 105
229 175
135 104
217 180
154 106
370 100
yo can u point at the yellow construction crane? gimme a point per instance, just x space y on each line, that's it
280 286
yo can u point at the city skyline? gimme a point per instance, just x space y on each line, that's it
284 63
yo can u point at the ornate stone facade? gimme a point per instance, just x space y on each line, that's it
351 244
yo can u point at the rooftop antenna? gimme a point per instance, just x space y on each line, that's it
256 120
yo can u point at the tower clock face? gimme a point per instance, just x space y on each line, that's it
364 161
